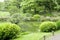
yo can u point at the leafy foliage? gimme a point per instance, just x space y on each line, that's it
58 24
36 17
4 16
38 6
31 6
13 6
48 26
8 31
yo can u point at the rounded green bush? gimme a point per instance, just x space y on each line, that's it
48 26
36 17
58 25
8 31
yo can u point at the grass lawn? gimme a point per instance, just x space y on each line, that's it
33 36
36 36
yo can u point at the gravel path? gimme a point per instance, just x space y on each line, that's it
56 37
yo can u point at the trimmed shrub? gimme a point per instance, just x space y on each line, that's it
48 26
36 17
58 25
8 31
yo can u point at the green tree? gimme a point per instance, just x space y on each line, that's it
31 6
38 6
13 6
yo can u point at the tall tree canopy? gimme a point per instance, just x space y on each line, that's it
32 6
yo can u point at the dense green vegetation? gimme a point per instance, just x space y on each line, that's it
29 19
48 26
8 31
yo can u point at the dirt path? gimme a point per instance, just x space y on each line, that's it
56 37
